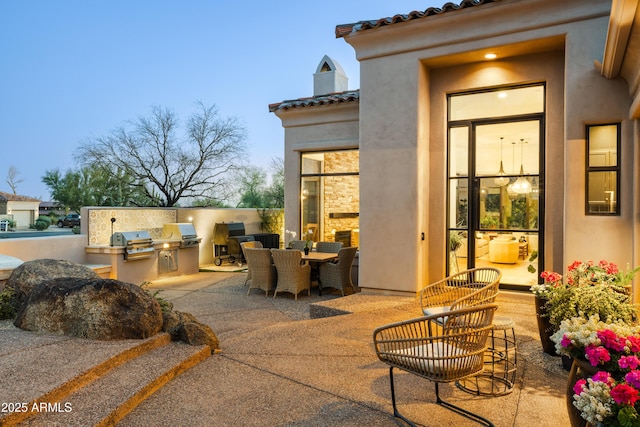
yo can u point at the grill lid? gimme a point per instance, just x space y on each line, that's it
139 244
178 231
222 231
131 238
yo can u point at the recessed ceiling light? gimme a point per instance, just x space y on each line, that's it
502 94
490 56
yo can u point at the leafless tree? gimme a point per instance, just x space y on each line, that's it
167 166
12 179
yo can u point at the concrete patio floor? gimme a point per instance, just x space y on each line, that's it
279 366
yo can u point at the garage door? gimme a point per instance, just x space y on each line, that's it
23 218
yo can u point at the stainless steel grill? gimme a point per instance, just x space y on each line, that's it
138 244
185 232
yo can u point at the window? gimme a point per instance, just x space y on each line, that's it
330 199
603 170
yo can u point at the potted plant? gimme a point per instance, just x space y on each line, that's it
604 381
290 236
588 289
309 243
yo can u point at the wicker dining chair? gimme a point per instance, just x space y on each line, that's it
442 348
263 272
293 274
329 247
298 244
338 275
466 288
251 244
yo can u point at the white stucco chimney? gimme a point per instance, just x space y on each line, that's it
329 77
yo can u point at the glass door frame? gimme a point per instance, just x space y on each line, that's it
473 204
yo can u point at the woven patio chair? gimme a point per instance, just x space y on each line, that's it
338 275
442 348
293 274
263 272
464 289
253 244
298 244
329 247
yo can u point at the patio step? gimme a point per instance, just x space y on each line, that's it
106 393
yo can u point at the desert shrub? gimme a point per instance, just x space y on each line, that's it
45 218
41 225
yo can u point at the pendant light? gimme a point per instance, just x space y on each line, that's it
502 180
522 184
510 191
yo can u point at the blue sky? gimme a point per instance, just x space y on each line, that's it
76 69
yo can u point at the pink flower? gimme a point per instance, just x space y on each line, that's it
579 386
633 378
624 394
603 377
596 355
634 343
610 340
566 341
629 362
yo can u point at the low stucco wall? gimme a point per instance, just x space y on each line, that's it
71 248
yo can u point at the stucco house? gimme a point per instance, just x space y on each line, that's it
22 210
501 127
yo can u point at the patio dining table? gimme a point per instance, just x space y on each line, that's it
318 258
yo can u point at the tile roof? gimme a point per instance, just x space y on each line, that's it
9 197
346 29
315 101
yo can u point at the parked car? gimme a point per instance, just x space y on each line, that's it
69 220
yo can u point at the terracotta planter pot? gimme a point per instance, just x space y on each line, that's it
544 327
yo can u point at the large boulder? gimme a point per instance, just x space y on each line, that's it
185 327
102 309
29 274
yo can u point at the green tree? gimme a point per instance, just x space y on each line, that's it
252 187
274 194
167 166
93 186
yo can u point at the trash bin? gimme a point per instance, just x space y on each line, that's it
4 225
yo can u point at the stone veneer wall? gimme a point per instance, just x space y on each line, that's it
341 193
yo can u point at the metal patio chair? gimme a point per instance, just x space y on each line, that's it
464 289
442 348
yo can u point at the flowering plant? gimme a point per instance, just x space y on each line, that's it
551 279
309 242
605 400
602 344
581 273
291 236
589 289
610 395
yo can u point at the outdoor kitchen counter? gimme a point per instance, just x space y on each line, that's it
168 259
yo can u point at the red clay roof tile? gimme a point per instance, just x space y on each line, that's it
314 101
346 29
